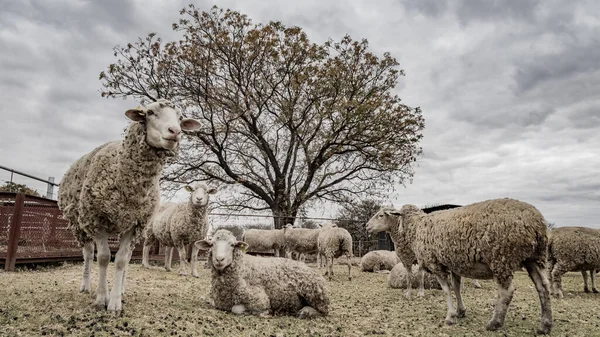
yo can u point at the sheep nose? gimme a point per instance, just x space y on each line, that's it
219 259
174 130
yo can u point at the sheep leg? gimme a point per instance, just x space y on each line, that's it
125 271
348 258
421 292
457 285
88 257
308 312
476 284
329 267
182 260
557 272
146 255
585 281
505 294
537 275
409 279
168 258
593 278
121 261
443 280
194 261
103 260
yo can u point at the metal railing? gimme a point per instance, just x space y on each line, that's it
50 184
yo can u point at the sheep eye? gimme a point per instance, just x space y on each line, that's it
180 118
149 113
232 245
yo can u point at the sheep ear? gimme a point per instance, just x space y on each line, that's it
241 245
189 124
394 213
136 115
203 244
189 188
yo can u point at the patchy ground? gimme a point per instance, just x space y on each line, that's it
158 303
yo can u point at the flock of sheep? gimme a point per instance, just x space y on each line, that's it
115 190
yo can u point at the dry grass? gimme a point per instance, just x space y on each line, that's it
47 302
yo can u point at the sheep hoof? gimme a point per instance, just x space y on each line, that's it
450 320
407 295
545 328
85 288
265 314
196 275
586 290
101 302
595 291
461 313
421 293
493 325
114 305
308 312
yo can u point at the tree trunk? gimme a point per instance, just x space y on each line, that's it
281 218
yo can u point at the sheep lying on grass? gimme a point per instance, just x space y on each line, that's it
573 249
262 286
484 240
115 190
334 242
264 240
178 225
378 260
398 278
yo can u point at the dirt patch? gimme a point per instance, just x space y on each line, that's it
47 302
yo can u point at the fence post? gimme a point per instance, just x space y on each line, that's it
14 233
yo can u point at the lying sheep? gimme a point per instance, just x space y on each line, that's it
484 240
378 260
178 225
334 242
573 249
264 240
398 278
115 190
262 286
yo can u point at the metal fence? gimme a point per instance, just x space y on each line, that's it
32 230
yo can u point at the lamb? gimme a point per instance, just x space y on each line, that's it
301 241
333 242
178 225
573 249
261 240
398 277
378 260
261 286
489 239
115 190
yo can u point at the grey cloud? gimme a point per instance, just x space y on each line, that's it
431 8
479 11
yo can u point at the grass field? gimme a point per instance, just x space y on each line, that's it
47 302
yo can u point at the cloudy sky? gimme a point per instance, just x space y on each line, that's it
510 90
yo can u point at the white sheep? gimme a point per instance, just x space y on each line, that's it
115 190
398 278
333 242
301 241
263 240
178 225
242 283
378 260
485 240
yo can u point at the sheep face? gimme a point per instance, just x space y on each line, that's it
200 193
222 246
383 220
163 124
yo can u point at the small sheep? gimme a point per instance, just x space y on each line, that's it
398 277
485 240
178 225
301 241
263 240
378 260
262 286
115 190
334 242
573 249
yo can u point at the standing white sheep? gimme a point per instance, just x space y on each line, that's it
262 240
485 240
242 283
178 225
301 241
115 190
334 242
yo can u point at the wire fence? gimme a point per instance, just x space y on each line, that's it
32 230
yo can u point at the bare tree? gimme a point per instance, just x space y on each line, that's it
353 217
291 121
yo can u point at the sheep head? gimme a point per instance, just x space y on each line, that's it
163 123
222 247
383 220
200 193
